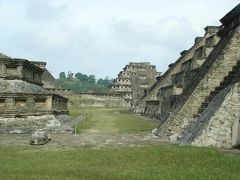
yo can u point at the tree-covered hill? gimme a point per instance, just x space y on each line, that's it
81 83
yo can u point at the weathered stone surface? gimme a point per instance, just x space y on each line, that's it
134 80
53 123
172 83
155 131
40 137
190 84
221 128
22 92
16 131
59 124
96 100
19 86
214 70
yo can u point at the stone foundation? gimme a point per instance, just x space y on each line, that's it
27 125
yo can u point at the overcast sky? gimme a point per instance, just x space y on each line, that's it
101 36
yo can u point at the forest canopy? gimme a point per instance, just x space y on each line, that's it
82 83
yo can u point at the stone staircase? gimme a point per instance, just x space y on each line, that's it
232 77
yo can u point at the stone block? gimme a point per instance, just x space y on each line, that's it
40 137
16 131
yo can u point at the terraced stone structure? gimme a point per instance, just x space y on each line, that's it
22 93
134 81
203 107
49 82
168 88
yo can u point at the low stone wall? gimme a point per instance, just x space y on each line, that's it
27 125
83 100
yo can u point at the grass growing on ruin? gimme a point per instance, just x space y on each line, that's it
112 120
150 162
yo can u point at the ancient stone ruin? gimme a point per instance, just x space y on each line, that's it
81 100
22 91
24 100
197 98
49 82
134 80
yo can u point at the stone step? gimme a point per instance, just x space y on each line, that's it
213 94
196 115
208 99
187 92
225 83
234 70
236 67
201 110
185 97
228 78
204 106
205 103
231 76
219 88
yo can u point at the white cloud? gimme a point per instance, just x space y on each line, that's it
100 37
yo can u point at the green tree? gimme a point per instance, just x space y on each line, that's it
85 84
62 75
70 75
84 78
78 75
91 79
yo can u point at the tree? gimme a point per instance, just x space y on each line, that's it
70 75
85 84
91 79
62 75
84 78
79 76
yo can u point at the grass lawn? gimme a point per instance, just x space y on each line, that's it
140 163
110 120
150 162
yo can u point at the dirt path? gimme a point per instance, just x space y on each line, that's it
104 133
92 139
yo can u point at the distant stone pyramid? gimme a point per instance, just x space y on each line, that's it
134 81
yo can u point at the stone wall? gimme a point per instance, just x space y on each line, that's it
22 93
96 99
151 107
220 121
176 78
17 105
217 66
20 69
28 125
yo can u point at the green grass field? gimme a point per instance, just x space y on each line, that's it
109 120
151 162
140 163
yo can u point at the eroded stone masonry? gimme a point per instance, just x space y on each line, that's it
23 93
197 98
134 80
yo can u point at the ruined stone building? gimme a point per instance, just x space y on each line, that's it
134 80
22 91
49 82
197 99
168 87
